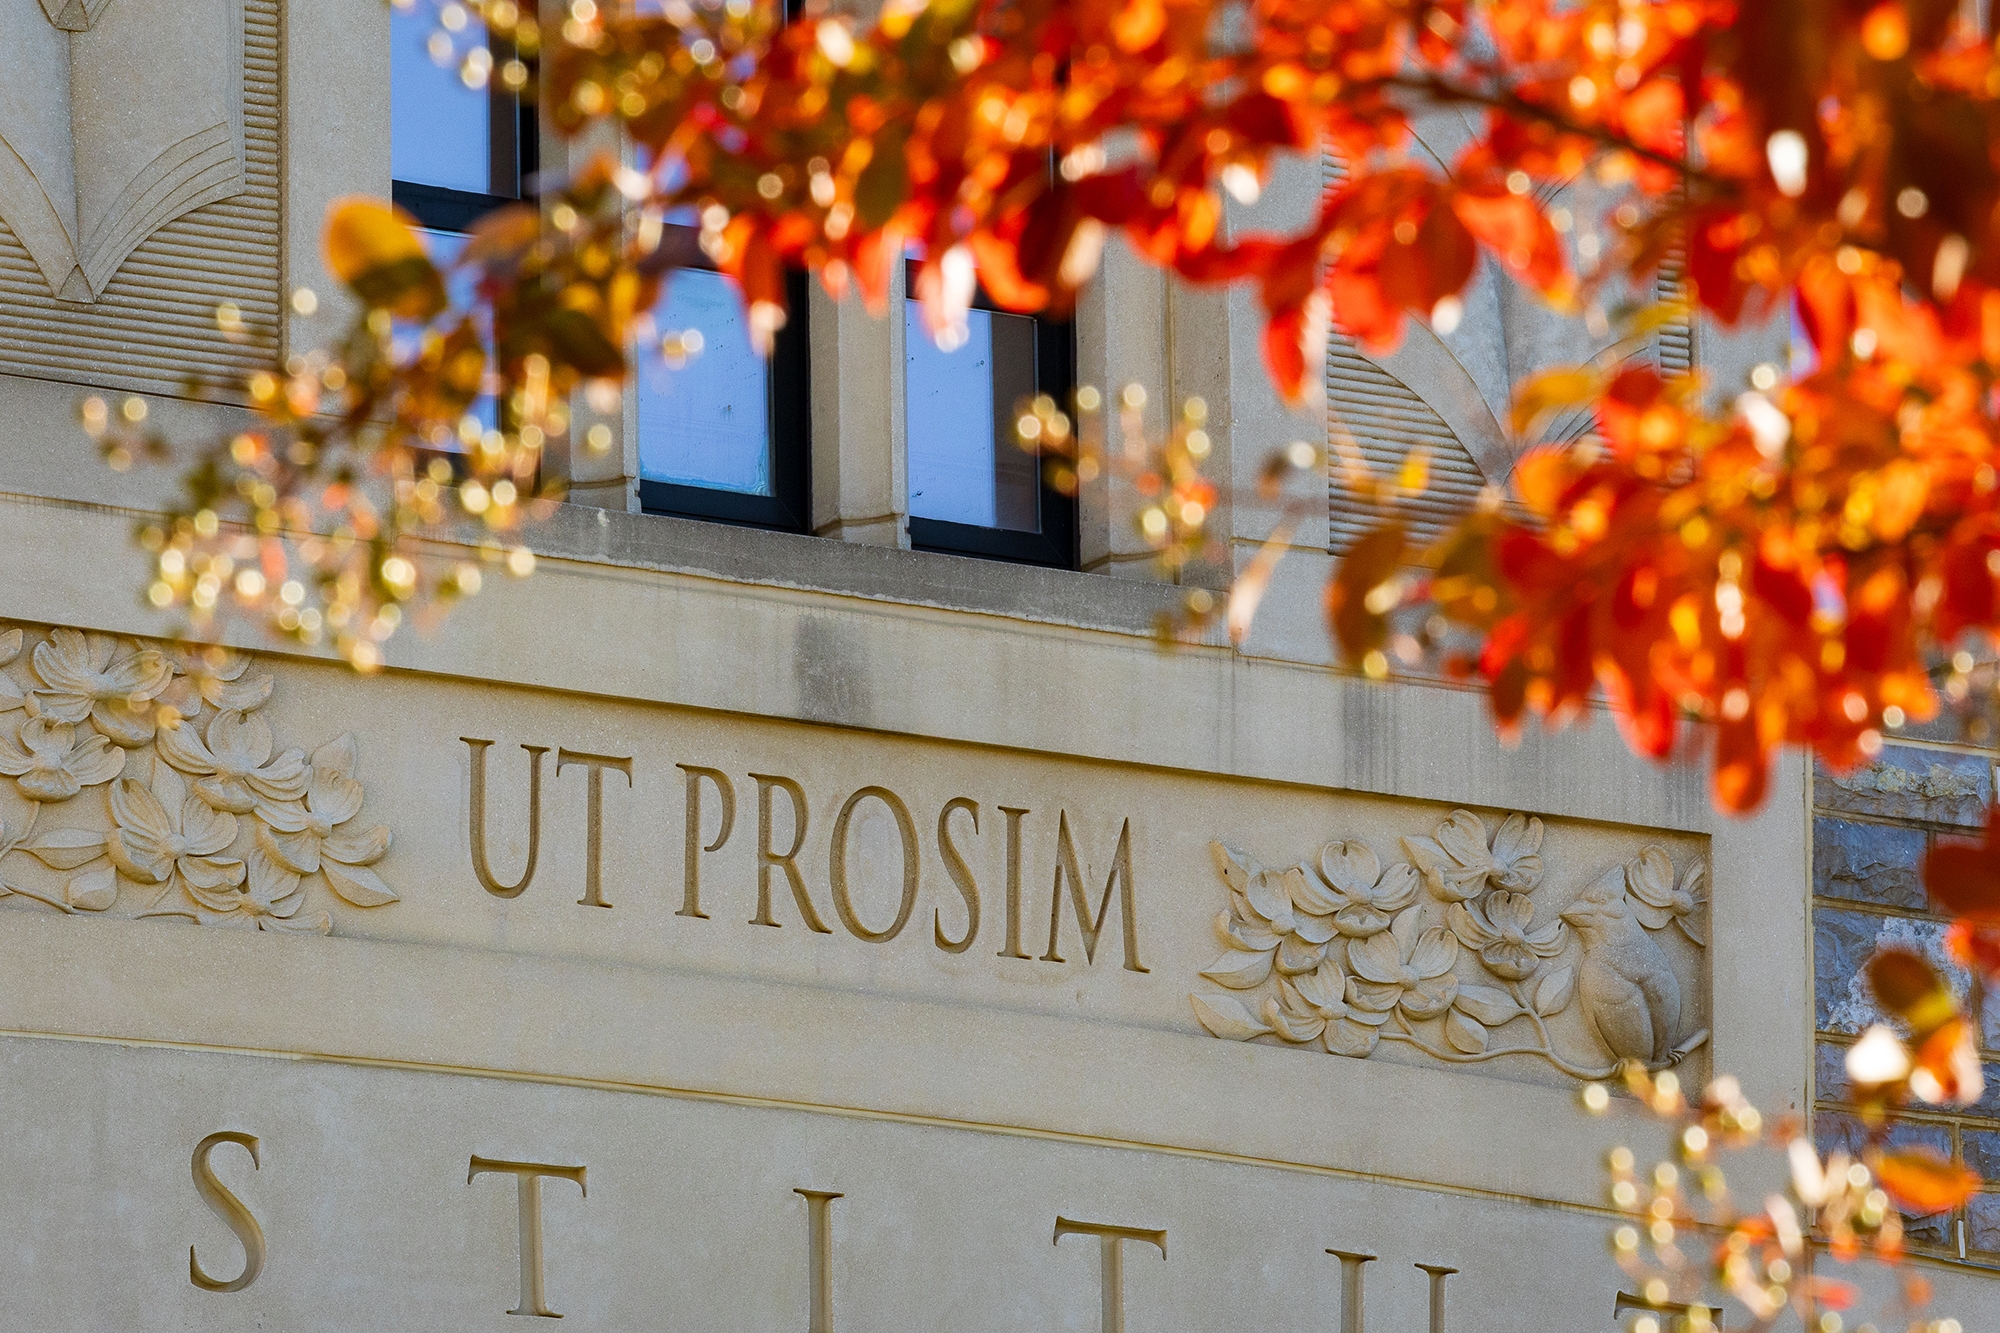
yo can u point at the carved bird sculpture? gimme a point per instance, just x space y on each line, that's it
1626 987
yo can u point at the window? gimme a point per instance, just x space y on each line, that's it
972 489
454 152
722 433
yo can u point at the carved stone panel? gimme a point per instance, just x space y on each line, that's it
139 190
148 783
1468 949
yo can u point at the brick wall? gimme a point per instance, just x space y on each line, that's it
1870 830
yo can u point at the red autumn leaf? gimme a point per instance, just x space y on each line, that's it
1285 340
1922 1182
1783 591
1977 947
1435 262
1964 877
1517 231
1262 118
1645 713
1832 1293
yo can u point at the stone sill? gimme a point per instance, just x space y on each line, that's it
666 544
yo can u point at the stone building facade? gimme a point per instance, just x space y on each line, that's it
1870 832
844 927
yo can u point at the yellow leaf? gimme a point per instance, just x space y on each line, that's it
1905 984
1900 500
1360 627
1542 396
1416 473
374 248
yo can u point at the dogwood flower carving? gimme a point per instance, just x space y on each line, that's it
51 762
164 831
1457 863
1361 897
112 682
11 696
1658 900
1499 928
309 837
234 767
1347 955
1313 1006
219 678
268 898
1406 967
155 787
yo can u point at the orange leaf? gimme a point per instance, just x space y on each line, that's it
1468 587
1354 596
1922 1182
1543 476
1139 24
1513 227
1742 769
1654 114
1976 946
1947 1072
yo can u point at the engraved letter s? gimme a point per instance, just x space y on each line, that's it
478 818
232 1212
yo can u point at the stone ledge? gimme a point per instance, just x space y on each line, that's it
669 544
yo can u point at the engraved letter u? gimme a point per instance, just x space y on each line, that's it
478 819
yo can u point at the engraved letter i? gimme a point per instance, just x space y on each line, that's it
819 1233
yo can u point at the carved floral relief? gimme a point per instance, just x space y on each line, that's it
1458 952
154 786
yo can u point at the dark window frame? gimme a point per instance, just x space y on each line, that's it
514 159
788 409
788 412
1055 545
514 135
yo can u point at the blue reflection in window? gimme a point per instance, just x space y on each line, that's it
459 285
964 463
707 422
949 397
440 131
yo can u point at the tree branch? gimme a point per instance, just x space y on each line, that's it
1513 104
